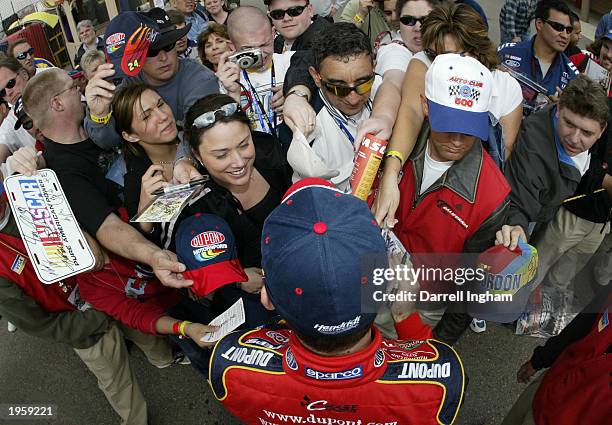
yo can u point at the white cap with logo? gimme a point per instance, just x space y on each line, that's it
458 89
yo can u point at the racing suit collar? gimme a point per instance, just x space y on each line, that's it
335 372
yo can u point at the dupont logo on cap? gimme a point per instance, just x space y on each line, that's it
205 239
206 245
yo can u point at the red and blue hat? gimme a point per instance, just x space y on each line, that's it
127 40
205 244
319 251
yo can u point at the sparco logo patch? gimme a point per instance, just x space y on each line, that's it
356 372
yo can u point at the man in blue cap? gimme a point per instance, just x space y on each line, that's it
153 60
320 250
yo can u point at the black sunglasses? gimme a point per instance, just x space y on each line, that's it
559 27
278 14
21 56
154 52
432 54
27 125
9 85
411 21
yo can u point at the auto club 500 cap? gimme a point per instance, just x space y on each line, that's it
458 89
319 248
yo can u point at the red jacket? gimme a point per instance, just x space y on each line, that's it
442 220
128 293
267 376
14 267
576 389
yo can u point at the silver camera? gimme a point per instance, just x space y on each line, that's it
248 58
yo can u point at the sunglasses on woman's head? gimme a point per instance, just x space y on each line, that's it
559 27
342 90
278 14
21 56
207 119
411 21
432 54
9 85
154 52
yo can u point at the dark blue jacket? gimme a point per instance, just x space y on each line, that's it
521 58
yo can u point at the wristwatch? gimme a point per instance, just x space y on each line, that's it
299 93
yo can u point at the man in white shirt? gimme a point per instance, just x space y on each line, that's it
13 78
344 74
259 89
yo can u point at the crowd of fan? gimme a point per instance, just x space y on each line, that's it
487 146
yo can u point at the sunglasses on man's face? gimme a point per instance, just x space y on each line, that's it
411 21
342 90
278 14
559 27
21 56
154 52
9 85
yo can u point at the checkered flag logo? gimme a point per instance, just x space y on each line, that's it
475 94
454 90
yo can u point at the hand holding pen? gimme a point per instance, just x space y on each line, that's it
179 187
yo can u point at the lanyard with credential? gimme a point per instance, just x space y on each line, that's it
258 106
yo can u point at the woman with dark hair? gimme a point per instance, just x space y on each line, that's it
248 175
447 29
249 172
212 43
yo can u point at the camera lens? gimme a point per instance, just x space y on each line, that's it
245 62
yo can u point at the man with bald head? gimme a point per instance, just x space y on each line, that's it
259 88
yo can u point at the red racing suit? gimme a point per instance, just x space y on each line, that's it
267 376
576 389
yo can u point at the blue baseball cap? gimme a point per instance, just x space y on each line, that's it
458 89
205 244
319 250
127 40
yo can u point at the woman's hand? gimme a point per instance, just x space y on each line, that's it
388 197
196 332
152 180
255 282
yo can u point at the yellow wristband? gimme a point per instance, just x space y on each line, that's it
395 154
184 323
358 19
101 120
